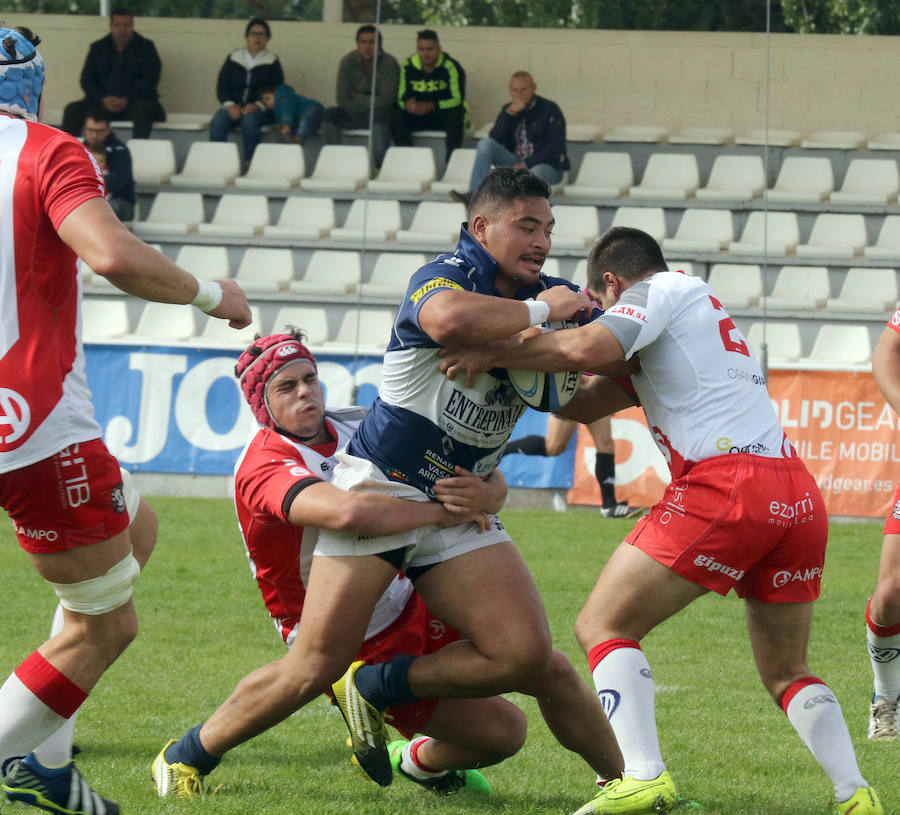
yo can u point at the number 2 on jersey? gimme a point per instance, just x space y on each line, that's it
726 326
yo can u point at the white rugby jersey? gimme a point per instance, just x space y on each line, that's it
45 404
700 383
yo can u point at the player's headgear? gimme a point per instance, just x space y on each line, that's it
261 361
21 74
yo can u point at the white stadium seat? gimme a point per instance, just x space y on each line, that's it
339 168
637 133
209 164
583 132
216 330
166 322
434 223
887 244
457 173
303 218
237 216
651 220
313 320
782 236
172 213
405 170
329 272
775 138
734 178
871 290
702 135
208 262
782 339
371 219
273 167
834 140
152 160
840 346
602 175
576 227
803 179
367 330
885 141
800 288
265 271
668 176
103 318
868 181
836 236
391 273
737 285
702 230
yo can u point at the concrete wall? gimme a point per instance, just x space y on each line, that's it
675 79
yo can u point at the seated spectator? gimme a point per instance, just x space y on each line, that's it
354 93
530 132
121 75
431 94
244 74
297 116
114 160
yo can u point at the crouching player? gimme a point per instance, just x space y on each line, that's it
283 497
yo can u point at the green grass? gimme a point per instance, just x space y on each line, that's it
203 627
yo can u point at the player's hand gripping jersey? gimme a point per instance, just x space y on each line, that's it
702 389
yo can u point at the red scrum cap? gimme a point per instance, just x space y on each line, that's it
261 361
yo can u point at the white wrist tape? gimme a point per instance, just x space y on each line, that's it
209 294
538 311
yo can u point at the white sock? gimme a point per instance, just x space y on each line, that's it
25 721
816 715
884 654
625 686
411 767
56 751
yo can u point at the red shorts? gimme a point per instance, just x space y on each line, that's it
892 523
416 632
754 524
71 499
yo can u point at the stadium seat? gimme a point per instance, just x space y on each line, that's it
651 220
737 285
702 230
457 173
579 276
371 220
219 331
782 339
702 135
185 121
637 133
172 213
840 346
329 272
800 288
208 262
868 181
583 132
166 322
683 266
391 273
405 170
152 160
887 244
265 271
576 227
782 238
775 138
209 164
803 180
870 290
273 167
734 178
237 216
833 235
303 218
366 331
668 176
834 140
551 268
339 168
435 223
885 141
602 175
313 320
103 318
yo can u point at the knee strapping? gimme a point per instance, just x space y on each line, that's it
100 595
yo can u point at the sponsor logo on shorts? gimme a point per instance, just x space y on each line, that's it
15 414
431 285
75 479
674 506
713 565
49 535
287 350
118 499
800 512
821 699
436 629
895 320
786 576
646 673
883 654
610 699
895 512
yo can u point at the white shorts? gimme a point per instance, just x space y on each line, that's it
424 546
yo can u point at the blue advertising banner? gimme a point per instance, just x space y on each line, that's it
178 409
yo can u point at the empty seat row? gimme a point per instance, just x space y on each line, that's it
836 345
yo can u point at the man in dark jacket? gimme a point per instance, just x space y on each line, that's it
431 94
114 160
121 75
530 132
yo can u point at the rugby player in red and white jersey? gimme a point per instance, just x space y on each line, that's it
85 533
741 512
883 608
283 497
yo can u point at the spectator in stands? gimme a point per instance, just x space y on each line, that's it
354 92
121 75
530 132
431 94
114 160
244 74
297 116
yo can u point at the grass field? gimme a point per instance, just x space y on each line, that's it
203 627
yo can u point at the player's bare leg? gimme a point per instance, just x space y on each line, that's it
883 640
559 433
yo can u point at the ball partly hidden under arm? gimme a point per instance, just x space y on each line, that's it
542 391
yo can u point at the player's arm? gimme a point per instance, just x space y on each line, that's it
596 397
466 492
886 366
96 235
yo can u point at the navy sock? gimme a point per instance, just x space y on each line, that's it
188 750
605 471
386 683
527 446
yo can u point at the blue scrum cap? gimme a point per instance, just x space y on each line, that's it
21 74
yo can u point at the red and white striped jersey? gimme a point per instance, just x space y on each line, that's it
45 403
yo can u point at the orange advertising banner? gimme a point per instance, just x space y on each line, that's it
839 422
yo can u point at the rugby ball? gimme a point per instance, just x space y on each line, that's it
542 391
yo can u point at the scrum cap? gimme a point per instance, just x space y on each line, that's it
260 362
21 74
